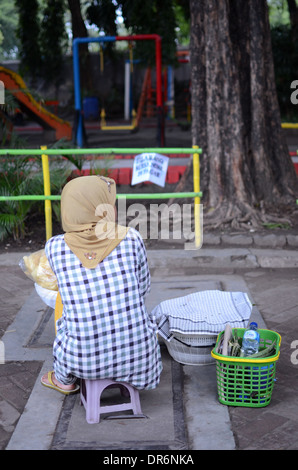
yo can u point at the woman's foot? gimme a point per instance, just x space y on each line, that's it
49 380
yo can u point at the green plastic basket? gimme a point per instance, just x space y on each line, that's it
247 382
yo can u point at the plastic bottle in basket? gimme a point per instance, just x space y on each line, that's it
251 340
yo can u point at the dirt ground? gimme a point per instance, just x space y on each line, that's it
36 237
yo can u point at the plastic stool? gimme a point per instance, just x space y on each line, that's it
91 391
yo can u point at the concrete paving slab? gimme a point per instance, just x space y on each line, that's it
162 428
18 337
275 258
37 425
217 258
208 421
186 399
204 257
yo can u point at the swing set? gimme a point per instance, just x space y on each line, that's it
79 127
128 110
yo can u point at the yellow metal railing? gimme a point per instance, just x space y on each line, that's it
47 192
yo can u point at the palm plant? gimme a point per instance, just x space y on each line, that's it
16 179
23 176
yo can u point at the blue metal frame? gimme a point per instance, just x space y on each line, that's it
79 131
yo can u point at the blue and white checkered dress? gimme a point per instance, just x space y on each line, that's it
105 330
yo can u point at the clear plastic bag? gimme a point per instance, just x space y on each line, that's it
48 296
37 268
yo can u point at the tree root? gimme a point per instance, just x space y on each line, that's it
243 217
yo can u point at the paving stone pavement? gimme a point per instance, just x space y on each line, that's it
266 263
16 382
274 427
270 275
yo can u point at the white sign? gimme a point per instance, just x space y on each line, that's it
150 167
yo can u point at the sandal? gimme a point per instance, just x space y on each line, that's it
59 389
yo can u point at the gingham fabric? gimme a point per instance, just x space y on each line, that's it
105 330
205 312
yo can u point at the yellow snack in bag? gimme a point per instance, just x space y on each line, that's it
31 264
37 268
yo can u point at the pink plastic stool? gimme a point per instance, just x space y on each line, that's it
91 391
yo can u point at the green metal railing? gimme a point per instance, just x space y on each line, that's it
118 196
99 151
47 197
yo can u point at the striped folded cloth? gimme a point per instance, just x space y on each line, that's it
205 312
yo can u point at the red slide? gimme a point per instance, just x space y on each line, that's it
15 84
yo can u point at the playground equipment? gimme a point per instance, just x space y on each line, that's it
289 125
146 94
128 106
128 102
146 101
15 84
79 121
130 127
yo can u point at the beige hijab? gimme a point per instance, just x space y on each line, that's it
88 218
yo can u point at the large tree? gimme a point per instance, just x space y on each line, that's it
42 38
246 173
53 40
28 33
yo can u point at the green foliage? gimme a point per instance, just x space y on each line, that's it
23 176
8 138
102 13
28 33
16 178
154 17
278 12
42 43
142 17
76 160
53 39
182 14
8 24
59 174
41 30
274 225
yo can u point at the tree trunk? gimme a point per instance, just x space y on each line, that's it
79 30
246 171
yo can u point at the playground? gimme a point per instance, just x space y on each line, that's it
85 130
149 122
183 143
148 118
143 96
